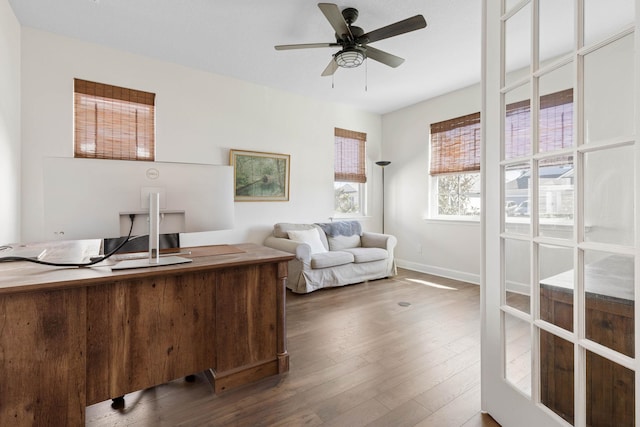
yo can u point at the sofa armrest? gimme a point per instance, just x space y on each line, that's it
302 251
378 240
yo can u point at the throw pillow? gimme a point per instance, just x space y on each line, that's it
338 243
311 237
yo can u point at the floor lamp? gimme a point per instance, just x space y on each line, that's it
382 164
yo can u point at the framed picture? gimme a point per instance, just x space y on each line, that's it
260 176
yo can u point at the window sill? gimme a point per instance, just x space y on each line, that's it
338 217
515 221
471 220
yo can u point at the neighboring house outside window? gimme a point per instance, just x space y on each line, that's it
112 122
455 162
554 172
350 175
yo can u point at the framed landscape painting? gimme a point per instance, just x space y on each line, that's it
260 176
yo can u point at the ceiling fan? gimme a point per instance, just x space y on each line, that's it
354 42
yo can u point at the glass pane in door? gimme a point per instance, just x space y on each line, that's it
517 192
556 29
608 91
517 51
517 122
555 270
609 300
610 393
556 106
517 254
555 197
609 198
604 18
556 375
517 349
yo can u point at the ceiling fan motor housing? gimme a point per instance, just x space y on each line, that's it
357 34
350 15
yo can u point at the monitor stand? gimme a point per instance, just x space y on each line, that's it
154 259
145 262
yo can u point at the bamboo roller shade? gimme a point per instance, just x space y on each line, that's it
455 143
350 156
112 122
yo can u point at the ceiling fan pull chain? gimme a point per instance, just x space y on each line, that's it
366 74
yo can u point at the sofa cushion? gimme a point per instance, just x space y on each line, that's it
282 228
361 255
331 259
310 237
337 243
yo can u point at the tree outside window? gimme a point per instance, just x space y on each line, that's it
459 194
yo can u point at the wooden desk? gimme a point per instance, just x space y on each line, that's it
609 320
73 337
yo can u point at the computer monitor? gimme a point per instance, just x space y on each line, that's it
96 198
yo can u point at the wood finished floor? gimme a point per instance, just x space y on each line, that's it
358 358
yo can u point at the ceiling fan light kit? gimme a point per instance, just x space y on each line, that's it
350 57
354 42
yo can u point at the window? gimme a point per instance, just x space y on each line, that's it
455 161
350 174
113 122
555 124
555 173
455 166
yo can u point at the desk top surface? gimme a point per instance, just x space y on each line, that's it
611 277
24 276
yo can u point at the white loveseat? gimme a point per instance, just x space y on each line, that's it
333 254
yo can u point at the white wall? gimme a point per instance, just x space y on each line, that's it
446 248
9 125
199 117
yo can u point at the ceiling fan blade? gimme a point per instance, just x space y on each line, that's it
410 24
384 57
335 18
304 46
331 68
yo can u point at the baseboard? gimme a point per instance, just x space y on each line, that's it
518 288
438 271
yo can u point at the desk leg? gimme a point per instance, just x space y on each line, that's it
283 355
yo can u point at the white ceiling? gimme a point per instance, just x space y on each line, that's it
237 37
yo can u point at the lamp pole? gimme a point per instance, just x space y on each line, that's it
382 164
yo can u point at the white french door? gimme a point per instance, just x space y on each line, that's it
560 212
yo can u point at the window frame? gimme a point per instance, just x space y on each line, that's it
464 165
349 173
560 101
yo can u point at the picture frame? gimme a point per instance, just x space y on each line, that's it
260 176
